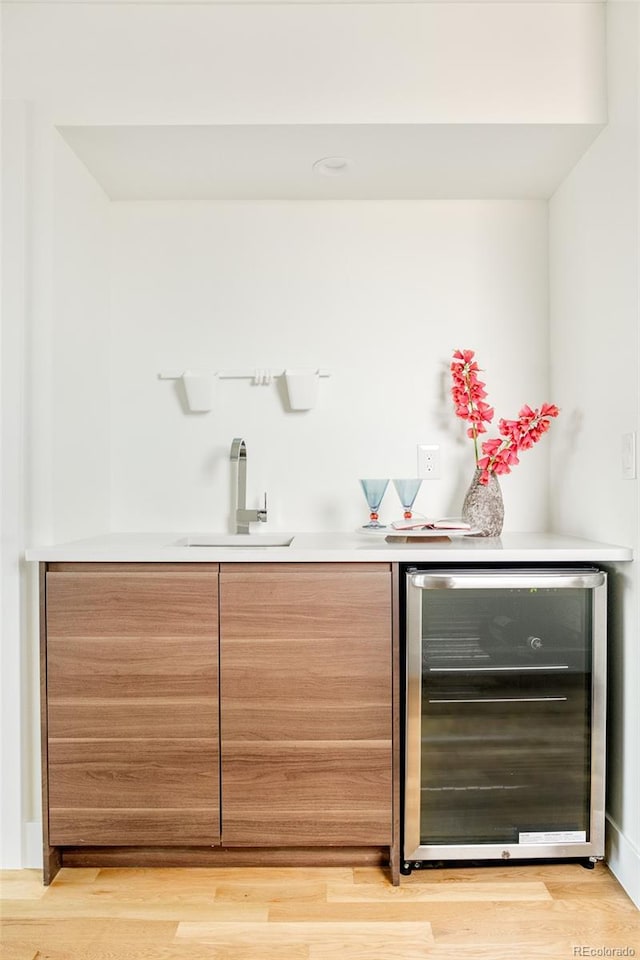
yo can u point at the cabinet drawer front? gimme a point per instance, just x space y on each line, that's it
327 689
123 792
157 718
131 605
132 667
133 773
293 793
305 604
121 827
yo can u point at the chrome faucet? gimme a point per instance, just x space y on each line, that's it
244 517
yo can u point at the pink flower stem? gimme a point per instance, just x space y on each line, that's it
468 383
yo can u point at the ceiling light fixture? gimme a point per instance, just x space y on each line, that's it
332 166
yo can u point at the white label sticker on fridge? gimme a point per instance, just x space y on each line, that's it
554 836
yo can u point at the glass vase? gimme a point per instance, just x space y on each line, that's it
483 506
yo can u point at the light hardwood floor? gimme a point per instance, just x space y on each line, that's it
236 913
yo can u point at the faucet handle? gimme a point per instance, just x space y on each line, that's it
262 514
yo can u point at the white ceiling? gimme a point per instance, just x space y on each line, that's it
274 162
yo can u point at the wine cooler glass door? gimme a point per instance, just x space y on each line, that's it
505 714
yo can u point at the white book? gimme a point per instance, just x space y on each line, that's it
446 523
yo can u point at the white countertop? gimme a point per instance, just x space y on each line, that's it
334 548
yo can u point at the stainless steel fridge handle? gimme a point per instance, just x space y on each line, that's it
518 668
522 579
502 700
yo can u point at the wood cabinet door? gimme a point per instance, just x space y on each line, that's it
306 714
132 704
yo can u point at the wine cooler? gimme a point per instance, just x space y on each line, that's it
505 715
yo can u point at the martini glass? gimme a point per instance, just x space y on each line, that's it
407 490
374 491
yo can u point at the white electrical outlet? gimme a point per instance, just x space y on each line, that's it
628 451
429 461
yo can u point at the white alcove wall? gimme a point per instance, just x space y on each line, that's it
380 293
80 383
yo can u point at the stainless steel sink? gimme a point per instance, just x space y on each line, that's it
237 540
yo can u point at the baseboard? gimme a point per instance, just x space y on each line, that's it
223 856
623 859
33 845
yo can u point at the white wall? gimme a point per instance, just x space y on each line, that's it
13 627
595 372
380 294
80 388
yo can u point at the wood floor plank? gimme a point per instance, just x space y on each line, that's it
597 919
195 877
21 885
103 951
402 942
595 890
79 877
17 951
546 872
159 910
324 941
44 931
453 890
256 951
138 884
552 950
476 931
404 911
263 893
